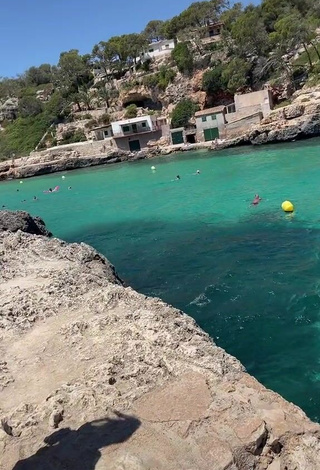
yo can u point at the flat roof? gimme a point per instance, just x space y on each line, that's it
132 121
101 127
206 112
177 129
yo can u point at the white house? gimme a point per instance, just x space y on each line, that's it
134 134
158 49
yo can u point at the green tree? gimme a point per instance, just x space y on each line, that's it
74 76
197 15
235 75
183 58
154 30
39 75
103 56
292 31
30 106
249 35
231 15
213 80
182 113
272 10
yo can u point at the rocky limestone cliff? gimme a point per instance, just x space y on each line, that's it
94 375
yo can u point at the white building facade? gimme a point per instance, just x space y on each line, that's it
158 49
135 134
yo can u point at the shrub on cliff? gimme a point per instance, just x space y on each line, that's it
104 119
183 58
71 137
160 80
182 113
131 111
212 80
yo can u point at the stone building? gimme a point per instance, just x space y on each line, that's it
210 123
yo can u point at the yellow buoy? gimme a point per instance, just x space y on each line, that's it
287 206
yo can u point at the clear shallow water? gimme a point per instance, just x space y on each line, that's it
250 276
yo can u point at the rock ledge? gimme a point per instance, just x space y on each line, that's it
94 375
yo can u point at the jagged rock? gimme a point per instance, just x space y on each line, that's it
284 134
260 139
20 220
293 111
141 385
55 419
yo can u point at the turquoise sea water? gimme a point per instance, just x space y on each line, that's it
250 276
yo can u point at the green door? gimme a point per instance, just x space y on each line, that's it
134 145
177 137
211 134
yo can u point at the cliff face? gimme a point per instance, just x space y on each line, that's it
94 375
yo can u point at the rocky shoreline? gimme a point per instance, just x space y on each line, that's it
300 120
95 375
67 158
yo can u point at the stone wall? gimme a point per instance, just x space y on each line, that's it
240 126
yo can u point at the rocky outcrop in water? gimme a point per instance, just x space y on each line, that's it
65 158
94 375
20 220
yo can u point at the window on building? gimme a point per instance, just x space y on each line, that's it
106 134
213 116
126 128
204 118
167 46
144 124
151 50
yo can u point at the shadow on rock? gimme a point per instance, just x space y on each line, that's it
80 449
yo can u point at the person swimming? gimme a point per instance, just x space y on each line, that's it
198 172
178 177
35 198
69 188
256 200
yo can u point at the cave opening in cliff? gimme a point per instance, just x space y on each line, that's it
145 103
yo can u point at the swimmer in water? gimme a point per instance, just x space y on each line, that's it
178 177
69 188
50 190
256 200
35 198
198 172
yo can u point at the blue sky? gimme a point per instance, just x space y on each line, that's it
33 32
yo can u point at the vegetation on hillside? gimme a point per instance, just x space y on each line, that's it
259 44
